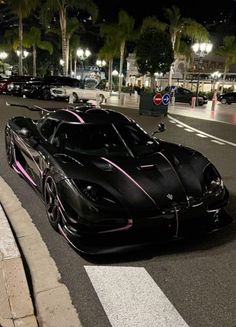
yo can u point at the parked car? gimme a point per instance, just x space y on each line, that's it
16 83
184 95
108 185
12 84
41 87
228 98
82 93
3 84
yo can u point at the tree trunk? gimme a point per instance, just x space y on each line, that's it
186 64
68 53
110 75
63 40
173 39
223 80
20 44
71 64
153 84
75 66
34 60
122 50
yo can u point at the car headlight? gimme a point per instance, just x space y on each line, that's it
213 181
95 193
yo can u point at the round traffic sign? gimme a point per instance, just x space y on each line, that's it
157 99
165 99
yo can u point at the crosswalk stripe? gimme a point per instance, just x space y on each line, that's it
131 298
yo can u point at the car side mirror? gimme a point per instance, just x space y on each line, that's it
161 128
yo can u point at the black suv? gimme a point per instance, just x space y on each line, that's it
227 98
40 87
184 95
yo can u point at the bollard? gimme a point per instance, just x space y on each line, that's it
173 101
122 99
193 102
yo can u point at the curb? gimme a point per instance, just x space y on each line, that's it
16 308
51 297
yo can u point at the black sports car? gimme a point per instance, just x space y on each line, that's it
108 185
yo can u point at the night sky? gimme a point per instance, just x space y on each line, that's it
196 9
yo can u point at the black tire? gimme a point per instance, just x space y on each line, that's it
46 94
75 97
52 203
9 147
223 101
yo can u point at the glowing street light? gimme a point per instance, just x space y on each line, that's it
25 53
101 63
115 72
83 55
3 55
201 49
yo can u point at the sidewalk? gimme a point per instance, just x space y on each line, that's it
220 113
16 308
52 304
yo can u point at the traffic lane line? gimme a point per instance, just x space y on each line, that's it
203 133
131 298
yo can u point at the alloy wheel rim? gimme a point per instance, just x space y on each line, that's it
52 203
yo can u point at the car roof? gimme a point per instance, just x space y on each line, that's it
89 115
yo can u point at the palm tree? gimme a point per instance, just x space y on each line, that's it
51 7
74 43
22 9
179 26
122 31
33 39
228 52
110 49
185 51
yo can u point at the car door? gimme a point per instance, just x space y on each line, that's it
27 156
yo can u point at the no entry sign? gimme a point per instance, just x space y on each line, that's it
157 99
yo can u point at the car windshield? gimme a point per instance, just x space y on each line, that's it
105 140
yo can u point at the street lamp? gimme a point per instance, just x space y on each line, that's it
201 50
158 75
25 53
101 63
83 55
215 77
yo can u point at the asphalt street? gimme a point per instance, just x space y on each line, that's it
197 276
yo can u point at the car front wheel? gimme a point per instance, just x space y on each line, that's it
75 97
52 202
223 101
9 148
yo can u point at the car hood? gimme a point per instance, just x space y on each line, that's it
167 177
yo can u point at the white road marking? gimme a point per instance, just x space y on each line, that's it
179 125
131 298
8 247
201 135
198 131
173 122
218 142
189 130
